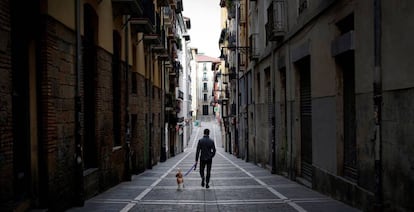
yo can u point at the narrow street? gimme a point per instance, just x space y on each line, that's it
235 186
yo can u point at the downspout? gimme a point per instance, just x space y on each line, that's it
163 140
292 166
163 156
273 118
80 198
377 105
246 90
236 125
127 173
150 116
291 170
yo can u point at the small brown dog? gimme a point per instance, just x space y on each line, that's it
180 180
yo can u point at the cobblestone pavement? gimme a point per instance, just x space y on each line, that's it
235 185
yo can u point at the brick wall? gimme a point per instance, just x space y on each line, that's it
156 110
111 162
139 107
57 111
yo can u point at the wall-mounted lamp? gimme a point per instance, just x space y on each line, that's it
242 49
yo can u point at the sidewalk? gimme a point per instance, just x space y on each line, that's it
234 186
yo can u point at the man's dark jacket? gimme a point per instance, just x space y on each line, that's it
207 148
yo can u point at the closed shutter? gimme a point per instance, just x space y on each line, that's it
306 121
350 151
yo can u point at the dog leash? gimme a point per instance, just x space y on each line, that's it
193 167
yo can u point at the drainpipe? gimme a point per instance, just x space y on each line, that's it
246 90
246 101
377 105
163 156
80 198
127 173
289 106
162 119
237 124
273 119
150 116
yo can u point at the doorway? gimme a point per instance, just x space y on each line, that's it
25 100
89 85
303 67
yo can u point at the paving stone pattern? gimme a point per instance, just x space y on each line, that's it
235 185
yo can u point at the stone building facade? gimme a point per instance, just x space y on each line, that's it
82 97
323 93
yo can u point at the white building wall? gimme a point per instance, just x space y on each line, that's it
205 76
194 83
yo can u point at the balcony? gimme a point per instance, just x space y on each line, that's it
343 43
141 25
179 94
172 2
223 35
162 3
222 3
275 27
232 40
254 52
168 64
179 7
232 73
186 37
159 49
168 16
127 7
152 39
171 31
145 22
164 57
242 15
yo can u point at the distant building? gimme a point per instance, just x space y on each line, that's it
203 84
324 94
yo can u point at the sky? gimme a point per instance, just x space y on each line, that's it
205 25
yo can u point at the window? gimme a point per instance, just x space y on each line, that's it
205 97
269 24
204 86
146 87
134 118
303 4
134 83
275 26
205 109
346 24
258 86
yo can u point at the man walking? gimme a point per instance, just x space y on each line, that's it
208 150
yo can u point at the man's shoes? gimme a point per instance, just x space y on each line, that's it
207 186
202 182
